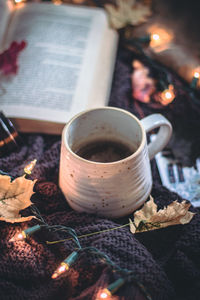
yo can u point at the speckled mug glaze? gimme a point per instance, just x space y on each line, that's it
113 189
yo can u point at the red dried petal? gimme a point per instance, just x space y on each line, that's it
8 59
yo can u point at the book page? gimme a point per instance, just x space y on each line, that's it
185 181
58 66
6 7
102 80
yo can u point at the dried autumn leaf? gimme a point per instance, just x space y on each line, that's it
148 218
127 12
15 196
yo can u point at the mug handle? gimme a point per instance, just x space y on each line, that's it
162 138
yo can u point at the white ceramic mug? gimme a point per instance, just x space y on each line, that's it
111 189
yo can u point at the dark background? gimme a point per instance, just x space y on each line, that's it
185 14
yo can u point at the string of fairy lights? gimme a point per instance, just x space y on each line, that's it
124 275
167 93
168 90
164 84
103 293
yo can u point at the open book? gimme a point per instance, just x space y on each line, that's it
66 67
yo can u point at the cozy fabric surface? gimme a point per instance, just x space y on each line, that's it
165 261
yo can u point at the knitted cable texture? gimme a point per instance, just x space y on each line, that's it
165 261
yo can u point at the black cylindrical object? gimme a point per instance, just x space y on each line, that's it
9 138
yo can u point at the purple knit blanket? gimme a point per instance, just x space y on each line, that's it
165 261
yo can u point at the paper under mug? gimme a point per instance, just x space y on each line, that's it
112 189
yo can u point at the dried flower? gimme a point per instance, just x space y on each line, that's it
8 59
143 86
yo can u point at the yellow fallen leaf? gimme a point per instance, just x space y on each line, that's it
15 196
148 218
127 12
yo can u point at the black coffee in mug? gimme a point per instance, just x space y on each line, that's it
104 150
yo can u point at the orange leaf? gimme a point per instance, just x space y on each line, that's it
15 196
148 218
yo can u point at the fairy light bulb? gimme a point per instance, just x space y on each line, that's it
60 270
105 294
196 75
19 237
155 40
195 78
155 37
167 96
28 168
65 265
25 233
110 290
160 38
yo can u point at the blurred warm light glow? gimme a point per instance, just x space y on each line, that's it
167 96
78 1
155 37
196 74
19 4
60 270
18 237
57 2
195 78
104 294
28 168
160 38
